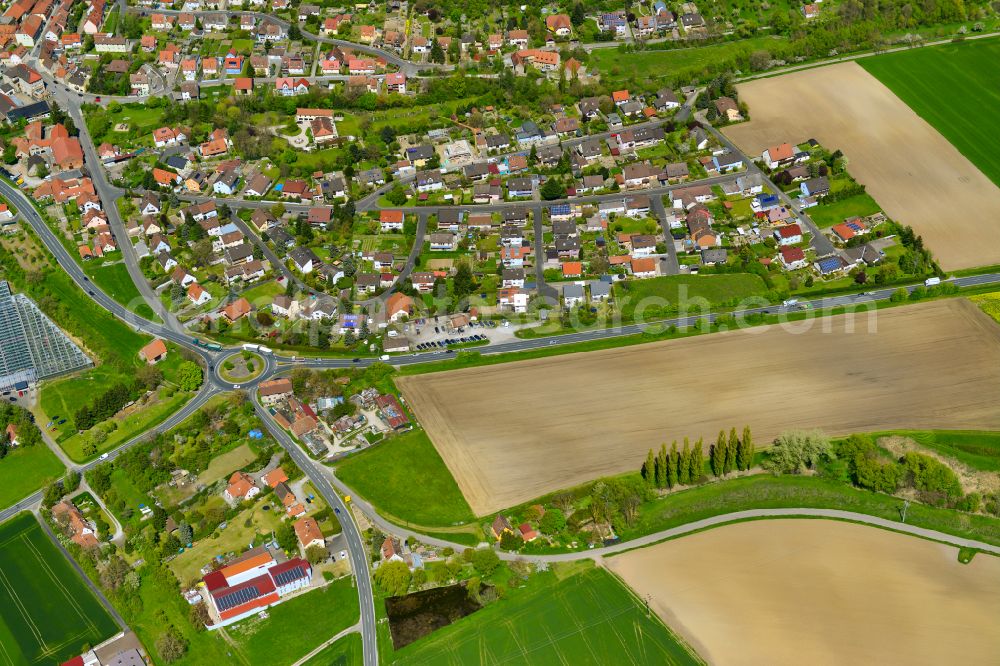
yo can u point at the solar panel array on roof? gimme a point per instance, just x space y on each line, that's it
830 264
286 577
236 598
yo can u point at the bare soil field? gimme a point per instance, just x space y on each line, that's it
913 172
819 592
512 432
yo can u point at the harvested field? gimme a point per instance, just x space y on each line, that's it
512 432
819 592
914 173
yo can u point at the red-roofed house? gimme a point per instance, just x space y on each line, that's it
792 258
154 352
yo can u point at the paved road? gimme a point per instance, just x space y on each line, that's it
688 528
546 291
410 68
193 405
27 209
109 196
669 265
820 243
356 549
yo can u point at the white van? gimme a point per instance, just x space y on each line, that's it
930 282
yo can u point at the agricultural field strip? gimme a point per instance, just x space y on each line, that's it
47 650
833 591
911 170
963 71
565 410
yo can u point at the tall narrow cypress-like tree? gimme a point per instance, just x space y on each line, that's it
730 463
696 463
747 448
649 469
661 467
718 454
672 466
683 465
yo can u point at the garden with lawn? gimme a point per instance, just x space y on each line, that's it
829 214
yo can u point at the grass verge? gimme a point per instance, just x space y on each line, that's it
405 477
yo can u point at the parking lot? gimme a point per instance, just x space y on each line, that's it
435 334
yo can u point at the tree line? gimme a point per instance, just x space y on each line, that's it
686 466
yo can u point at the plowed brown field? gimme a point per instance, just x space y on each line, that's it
819 592
512 432
913 172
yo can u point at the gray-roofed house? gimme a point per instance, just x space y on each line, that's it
713 256
572 295
600 290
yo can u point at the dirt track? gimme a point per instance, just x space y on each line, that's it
510 433
916 175
820 592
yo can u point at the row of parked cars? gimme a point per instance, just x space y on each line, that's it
440 344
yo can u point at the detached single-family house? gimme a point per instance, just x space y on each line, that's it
788 235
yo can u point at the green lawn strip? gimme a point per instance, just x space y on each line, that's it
764 491
586 617
672 64
296 626
347 651
464 538
26 469
964 75
827 215
131 426
726 288
115 281
976 448
405 477
44 604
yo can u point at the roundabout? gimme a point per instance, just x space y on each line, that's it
242 368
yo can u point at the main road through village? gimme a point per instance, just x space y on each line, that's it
330 488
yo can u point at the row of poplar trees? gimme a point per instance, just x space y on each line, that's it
685 466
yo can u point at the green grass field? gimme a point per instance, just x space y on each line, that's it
345 652
47 614
976 448
827 215
406 478
651 65
298 625
955 88
716 289
585 618
114 280
26 469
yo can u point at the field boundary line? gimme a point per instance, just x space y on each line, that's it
62 588
7 658
24 611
